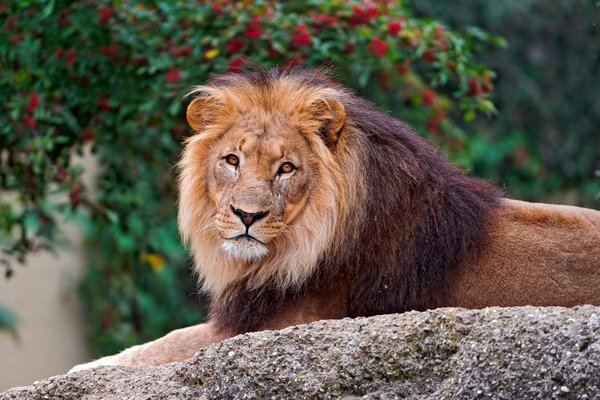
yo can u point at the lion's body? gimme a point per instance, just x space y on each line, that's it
301 202
537 254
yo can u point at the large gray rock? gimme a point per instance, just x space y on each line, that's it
511 353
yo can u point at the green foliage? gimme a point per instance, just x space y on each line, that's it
8 322
112 75
545 143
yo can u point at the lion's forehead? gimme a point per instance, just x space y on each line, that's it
269 141
262 116
270 147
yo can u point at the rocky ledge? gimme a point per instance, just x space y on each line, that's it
520 352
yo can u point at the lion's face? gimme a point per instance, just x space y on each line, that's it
260 178
264 181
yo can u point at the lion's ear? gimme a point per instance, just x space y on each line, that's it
203 111
331 115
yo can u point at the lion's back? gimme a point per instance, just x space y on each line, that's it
552 216
536 254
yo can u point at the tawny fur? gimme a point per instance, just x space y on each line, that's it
372 221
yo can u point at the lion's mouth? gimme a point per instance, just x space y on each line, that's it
244 247
246 236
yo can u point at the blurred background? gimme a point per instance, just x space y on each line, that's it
92 122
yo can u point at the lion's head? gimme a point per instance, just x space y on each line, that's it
293 184
263 181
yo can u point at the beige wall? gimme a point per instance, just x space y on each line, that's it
50 332
43 296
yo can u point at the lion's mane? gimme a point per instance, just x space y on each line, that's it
389 219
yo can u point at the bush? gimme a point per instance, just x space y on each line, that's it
545 142
112 75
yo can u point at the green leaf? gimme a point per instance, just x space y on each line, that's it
8 322
469 115
47 11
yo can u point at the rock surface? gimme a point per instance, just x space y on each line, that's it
521 352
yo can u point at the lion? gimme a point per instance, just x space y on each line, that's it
300 201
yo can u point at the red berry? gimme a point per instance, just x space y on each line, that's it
236 63
33 102
185 50
110 51
172 75
429 57
102 102
475 88
371 12
301 39
428 96
61 174
15 39
442 44
86 135
300 36
487 87
253 29
216 8
433 124
377 47
394 27
70 56
323 20
292 62
29 121
348 48
362 15
75 197
234 45
10 23
403 67
106 14
180 51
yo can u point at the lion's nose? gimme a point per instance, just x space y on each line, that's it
247 217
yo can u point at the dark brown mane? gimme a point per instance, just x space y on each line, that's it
426 217
423 217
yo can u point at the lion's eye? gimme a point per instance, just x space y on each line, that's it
232 159
286 168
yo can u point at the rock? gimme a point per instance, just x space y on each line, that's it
450 353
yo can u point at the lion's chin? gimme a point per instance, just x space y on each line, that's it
244 249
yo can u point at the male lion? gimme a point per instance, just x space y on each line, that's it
301 201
